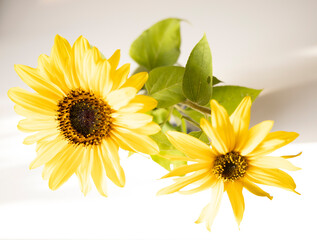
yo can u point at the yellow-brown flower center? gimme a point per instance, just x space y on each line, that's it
230 167
83 118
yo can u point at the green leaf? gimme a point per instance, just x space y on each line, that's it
215 80
159 115
159 45
165 85
196 116
200 135
231 96
197 85
165 163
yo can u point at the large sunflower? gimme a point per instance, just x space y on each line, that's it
235 160
83 110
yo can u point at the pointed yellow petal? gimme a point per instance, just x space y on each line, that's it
149 129
98 173
182 170
83 172
35 80
34 125
274 141
114 59
79 50
255 136
121 97
234 190
148 102
135 141
253 188
32 101
271 177
50 134
221 131
209 212
240 120
47 151
183 182
131 108
131 120
190 145
69 164
137 80
111 161
119 77
208 182
103 77
272 162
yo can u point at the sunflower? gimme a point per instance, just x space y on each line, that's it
236 159
83 110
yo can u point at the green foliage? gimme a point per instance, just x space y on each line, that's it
197 83
231 96
159 45
200 135
165 85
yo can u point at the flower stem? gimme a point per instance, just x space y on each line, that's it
197 107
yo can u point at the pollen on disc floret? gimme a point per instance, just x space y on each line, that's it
83 118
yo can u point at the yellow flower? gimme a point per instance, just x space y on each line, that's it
83 110
236 159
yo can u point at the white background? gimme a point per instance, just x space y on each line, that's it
260 44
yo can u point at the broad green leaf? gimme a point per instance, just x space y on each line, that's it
165 85
197 83
159 115
159 45
200 135
196 116
231 96
165 163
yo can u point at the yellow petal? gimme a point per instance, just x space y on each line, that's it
32 101
131 108
84 170
114 59
148 129
209 212
98 173
131 120
148 102
234 190
79 50
255 136
47 151
183 182
60 60
253 188
121 97
34 125
190 145
274 141
35 80
120 76
221 131
111 161
50 134
135 141
69 164
271 177
240 120
103 78
183 158
208 182
272 162
91 61
182 170
137 80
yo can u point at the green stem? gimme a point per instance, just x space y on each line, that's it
186 117
197 107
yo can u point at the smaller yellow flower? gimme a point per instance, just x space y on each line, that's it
236 159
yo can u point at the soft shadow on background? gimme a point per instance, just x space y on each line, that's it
268 45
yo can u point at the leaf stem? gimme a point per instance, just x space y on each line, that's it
186 117
197 107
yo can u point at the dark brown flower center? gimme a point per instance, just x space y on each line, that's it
83 118
230 167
